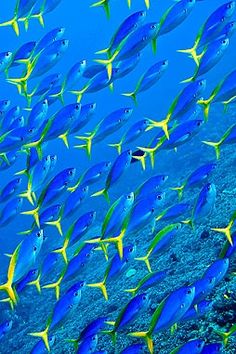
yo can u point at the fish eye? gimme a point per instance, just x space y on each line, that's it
198 124
35 248
70 172
144 297
153 26
182 306
159 197
30 130
209 187
64 42
126 111
189 291
76 293
8 54
77 106
224 41
152 210
131 249
129 152
107 164
38 234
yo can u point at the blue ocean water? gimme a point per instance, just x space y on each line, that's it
88 30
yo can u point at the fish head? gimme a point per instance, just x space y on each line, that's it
58 33
144 301
151 31
229 8
4 105
230 28
91 108
224 43
70 174
5 59
53 159
7 326
63 45
129 252
125 114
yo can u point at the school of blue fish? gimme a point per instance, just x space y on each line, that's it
157 208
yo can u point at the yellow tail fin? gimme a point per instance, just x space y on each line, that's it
12 23
179 190
192 52
117 146
101 286
118 241
226 231
105 5
103 192
57 224
132 95
43 335
55 285
145 259
206 107
215 145
34 213
147 338
28 195
36 283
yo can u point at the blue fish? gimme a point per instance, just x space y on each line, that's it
5 327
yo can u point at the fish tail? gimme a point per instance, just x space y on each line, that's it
117 146
142 160
43 335
188 222
57 224
55 285
59 95
190 79
206 107
74 342
215 145
7 299
101 286
103 51
179 190
151 153
36 283
163 124
22 172
132 95
112 334
13 23
103 192
108 63
21 83
11 292
145 259
129 3
26 232
147 3
88 143
226 231
8 286
103 247
64 138
147 338
62 250
104 4
118 241
132 291
34 213
224 335
79 93
192 52
28 195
